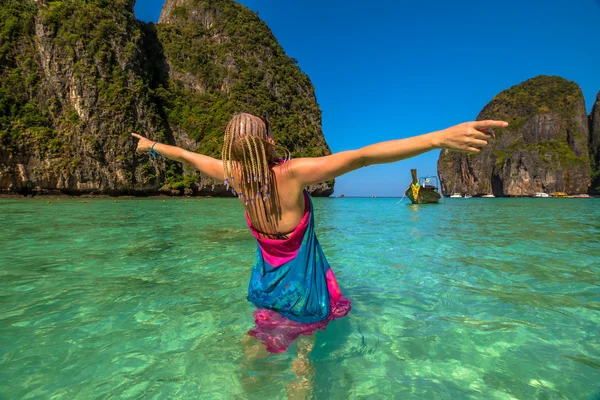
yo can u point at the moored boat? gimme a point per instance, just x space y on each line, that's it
422 190
541 194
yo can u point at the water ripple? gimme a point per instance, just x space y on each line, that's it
468 299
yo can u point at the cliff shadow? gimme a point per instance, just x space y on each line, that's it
497 185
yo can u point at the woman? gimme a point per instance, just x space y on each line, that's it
292 284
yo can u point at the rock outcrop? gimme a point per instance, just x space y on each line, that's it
595 146
77 77
544 149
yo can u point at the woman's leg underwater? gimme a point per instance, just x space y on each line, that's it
302 385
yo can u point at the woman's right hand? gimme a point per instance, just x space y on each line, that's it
144 144
469 137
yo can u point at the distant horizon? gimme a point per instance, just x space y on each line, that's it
423 67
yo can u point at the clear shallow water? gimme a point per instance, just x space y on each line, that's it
478 298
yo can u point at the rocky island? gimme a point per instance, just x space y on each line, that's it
551 145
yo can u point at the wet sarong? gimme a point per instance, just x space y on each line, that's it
293 286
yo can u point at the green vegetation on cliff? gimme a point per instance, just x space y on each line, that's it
539 95
542 95
544 148
22 119
93 46
76 77
551 152
233 64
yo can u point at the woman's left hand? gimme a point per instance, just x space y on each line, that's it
144 144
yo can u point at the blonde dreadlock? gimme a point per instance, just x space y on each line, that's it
246 151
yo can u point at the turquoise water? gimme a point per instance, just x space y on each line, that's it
473 299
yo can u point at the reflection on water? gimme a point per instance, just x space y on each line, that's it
467 299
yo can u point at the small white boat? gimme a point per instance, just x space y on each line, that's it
468 196
542 194
455 195
488 195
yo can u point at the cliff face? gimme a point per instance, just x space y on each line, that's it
219 52
223 59
77 77
72 89
595 146
544 149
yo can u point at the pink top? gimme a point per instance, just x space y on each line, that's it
278 252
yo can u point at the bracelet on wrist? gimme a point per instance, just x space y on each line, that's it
153 152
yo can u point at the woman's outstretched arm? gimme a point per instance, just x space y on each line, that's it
205 164
469 137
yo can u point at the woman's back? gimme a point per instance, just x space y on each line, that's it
281 212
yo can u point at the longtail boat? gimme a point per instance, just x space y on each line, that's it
422 190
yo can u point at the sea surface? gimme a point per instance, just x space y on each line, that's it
146 299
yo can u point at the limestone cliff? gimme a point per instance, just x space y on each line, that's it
223 59
77 77
544 149
595 146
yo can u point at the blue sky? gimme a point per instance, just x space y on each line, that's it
389 69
